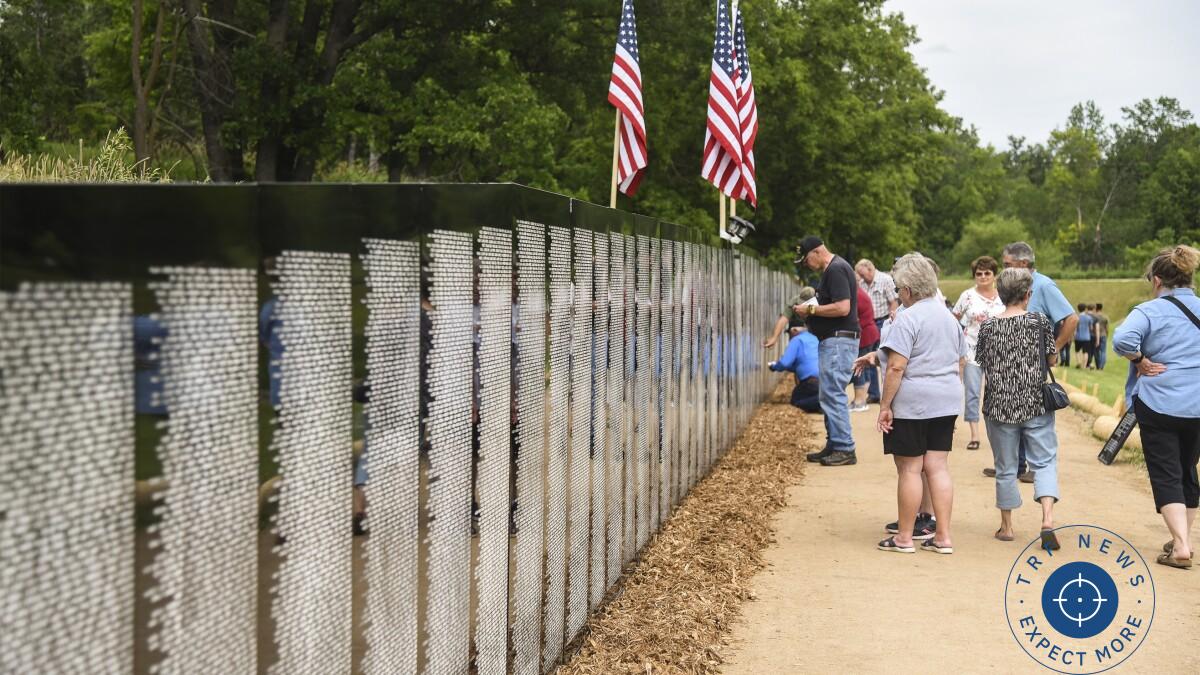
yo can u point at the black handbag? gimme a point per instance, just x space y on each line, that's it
1054 397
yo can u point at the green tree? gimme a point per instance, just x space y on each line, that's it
43 77
986 235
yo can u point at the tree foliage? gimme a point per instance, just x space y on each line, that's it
853 145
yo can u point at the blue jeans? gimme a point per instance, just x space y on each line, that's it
1102 353
864 378
972 384
835 357
1041 446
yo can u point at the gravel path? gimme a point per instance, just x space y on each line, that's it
830 602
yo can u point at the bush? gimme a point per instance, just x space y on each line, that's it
987 235
111 165
344 172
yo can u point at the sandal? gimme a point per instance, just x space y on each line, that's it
890 545
1003 537
931 545
1170 546
1050 540
1171 561
973 445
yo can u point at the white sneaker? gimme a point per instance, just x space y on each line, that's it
862 407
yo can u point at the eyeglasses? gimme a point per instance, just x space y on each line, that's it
983 273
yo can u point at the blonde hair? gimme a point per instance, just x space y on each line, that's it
864 264
1174 266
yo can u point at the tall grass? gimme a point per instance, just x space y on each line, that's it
112 164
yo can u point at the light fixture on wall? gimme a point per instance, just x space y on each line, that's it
738 229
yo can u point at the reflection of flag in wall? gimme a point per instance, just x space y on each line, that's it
723 135
625 92
747 113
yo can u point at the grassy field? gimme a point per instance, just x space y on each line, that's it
1118 297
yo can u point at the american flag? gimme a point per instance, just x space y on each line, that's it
723 137
625 92
747 114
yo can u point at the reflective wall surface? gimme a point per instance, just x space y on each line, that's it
344 428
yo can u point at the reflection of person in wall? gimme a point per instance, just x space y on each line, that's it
269 327
147 380
800 358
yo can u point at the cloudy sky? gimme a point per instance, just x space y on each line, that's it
1017 66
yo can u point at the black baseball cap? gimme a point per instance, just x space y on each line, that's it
806 246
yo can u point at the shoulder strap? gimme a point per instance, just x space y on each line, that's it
1042 331
1183 308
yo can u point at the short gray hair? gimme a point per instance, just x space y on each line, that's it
1019 250
1013 285
864 263
916 273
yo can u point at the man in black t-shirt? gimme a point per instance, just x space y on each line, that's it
834 321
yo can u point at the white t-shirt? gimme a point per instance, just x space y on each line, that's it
927 334
973 309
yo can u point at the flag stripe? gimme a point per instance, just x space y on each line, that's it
625 94
723 139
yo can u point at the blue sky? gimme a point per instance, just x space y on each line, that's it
1017 66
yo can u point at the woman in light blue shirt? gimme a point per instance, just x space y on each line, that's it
1161 338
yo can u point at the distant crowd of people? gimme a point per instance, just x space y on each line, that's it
1091 338
925 361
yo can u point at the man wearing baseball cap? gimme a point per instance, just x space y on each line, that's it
834 322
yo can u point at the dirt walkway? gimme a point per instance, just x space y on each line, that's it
829 602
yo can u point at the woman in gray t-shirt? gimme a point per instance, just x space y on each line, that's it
921 399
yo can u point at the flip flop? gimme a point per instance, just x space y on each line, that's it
891 546
931 545
1170 561
973 445
1003 537
1050 540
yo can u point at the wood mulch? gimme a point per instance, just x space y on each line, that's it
674 609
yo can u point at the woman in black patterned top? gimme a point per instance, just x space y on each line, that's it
1010 351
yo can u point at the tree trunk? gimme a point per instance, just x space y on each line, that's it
395 165
312 114
212 113
267 155
141 108
143 116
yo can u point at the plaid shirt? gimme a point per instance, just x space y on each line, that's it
882 291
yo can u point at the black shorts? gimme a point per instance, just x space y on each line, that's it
912 438
1084 346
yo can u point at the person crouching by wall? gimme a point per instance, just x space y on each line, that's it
800 358
922 398
1014 350
1161 338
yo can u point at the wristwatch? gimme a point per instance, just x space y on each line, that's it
1138 359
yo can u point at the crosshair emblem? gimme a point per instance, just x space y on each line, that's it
1079 600
1083 609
